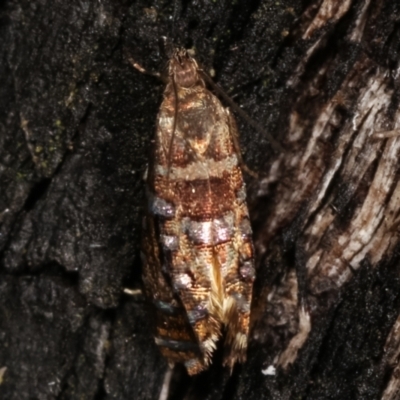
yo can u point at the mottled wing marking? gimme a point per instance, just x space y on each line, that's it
198 252
173 334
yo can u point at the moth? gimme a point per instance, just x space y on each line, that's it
197 250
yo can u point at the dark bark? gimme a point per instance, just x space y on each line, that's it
76 121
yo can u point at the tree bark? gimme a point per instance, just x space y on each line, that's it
76 120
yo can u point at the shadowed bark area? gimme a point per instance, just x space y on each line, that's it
76 122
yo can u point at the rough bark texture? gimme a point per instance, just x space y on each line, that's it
76 121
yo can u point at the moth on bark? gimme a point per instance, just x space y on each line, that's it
198 267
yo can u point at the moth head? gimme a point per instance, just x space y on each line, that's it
183 69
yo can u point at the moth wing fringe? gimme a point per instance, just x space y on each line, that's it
235 340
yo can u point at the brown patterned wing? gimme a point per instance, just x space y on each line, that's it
240 274
173 333
200 255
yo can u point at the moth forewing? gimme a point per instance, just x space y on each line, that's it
198 252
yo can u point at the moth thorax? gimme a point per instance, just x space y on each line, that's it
183 68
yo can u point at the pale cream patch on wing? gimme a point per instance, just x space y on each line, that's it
201 169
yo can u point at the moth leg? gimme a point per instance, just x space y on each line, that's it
133 292
141 69
235 138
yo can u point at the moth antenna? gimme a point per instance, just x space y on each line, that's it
274 143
